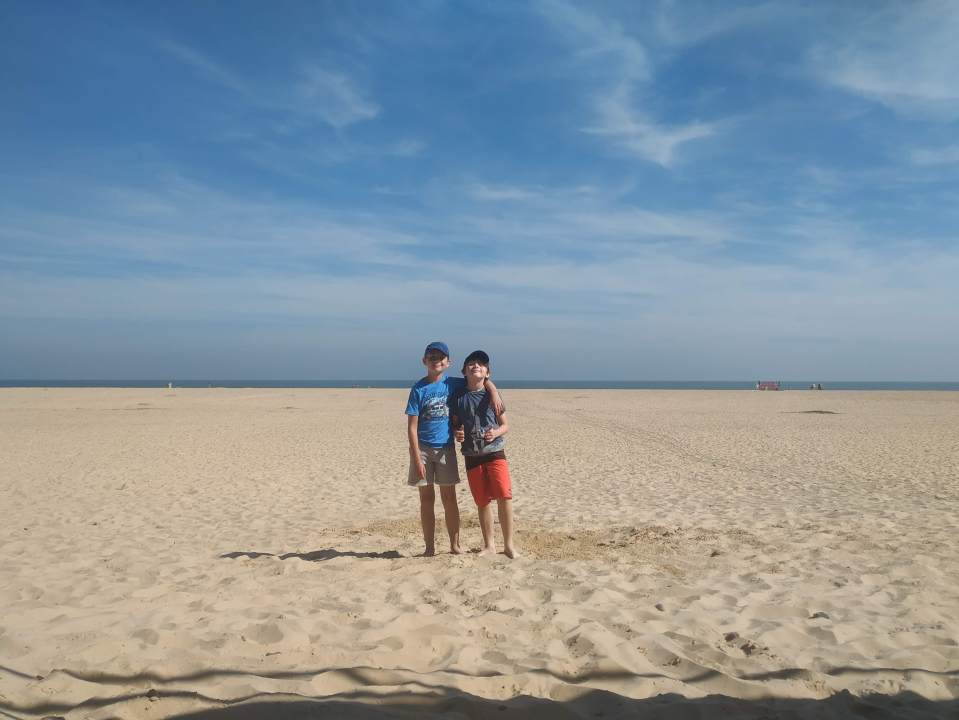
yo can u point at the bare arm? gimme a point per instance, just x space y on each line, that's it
412 425
494 397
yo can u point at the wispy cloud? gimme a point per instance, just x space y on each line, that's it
407 148
204 65
902 55
318 92
680 24
182 226
333 96
497 193
599 40
947 155
553 261
625 68
516 193
635 132
538 198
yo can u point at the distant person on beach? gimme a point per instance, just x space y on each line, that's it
480 427
432 454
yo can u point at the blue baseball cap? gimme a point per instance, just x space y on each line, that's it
441 346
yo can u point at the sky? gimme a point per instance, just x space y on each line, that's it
588 191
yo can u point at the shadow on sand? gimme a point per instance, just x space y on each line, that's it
376 700
588 705
315 555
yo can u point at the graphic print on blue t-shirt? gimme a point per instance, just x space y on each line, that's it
434 407
430 401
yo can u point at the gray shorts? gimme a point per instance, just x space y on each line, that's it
441 467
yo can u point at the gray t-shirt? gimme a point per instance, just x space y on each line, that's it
475 411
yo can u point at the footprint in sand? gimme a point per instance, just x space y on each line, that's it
264 633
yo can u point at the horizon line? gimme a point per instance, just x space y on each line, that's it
176 380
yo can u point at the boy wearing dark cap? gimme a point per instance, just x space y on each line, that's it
432 455
483 428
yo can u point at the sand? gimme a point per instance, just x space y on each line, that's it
225 553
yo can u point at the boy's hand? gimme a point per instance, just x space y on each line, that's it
460 434
420 467
492 434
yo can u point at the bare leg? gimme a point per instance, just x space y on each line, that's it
505 508
428 518
452 511
486 525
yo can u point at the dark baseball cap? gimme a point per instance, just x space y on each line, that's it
477 355
437 345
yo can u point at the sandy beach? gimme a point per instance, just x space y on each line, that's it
228 553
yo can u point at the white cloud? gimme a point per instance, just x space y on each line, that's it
194 228
633 131
948 155
407 148
498 193
334 97
624 65
599 40
823 178
633 223
549 263
904 56
209 69
685 23
330 95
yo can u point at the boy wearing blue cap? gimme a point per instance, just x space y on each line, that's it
432 454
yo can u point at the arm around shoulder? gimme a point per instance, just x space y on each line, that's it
498 407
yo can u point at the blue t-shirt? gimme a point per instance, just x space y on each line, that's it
430 401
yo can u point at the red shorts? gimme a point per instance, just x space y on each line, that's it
490 481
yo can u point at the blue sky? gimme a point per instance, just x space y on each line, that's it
586 190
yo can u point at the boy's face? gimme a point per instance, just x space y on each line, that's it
435 362
476 369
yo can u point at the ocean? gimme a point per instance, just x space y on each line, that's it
505 384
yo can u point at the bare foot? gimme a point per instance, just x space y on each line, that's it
456 550
490 550
429 552
510 552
